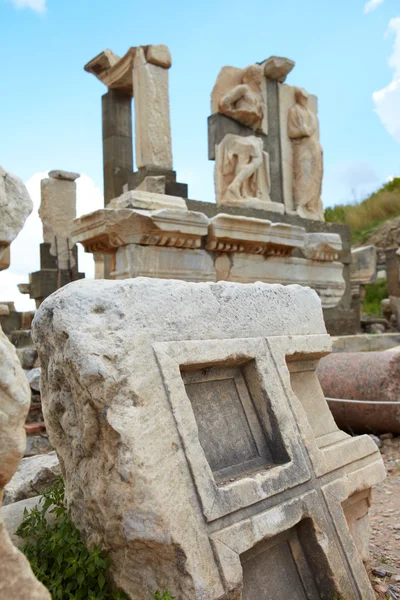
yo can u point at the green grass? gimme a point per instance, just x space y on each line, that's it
374 294
366 216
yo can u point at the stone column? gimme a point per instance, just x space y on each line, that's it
57 210
152 122
117 142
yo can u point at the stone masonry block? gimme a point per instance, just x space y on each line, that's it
195 441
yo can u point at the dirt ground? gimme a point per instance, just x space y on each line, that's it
384 568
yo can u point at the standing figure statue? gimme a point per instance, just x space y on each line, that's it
307 158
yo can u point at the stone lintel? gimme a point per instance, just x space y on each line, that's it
113 71
228 233
107 229
66 175
220 125
116 72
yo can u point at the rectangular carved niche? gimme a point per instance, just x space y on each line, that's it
231 432
289 565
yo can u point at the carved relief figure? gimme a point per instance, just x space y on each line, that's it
241 95
241 171
307 158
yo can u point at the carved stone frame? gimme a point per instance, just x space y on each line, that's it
230 543
220 500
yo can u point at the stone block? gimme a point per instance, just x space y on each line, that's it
209 451
5 257
27 357
10 322
363 266
322 246
12 515
228 233
147 201
34 476
21 338
159 54
4 310
164 262
277 67
15 206
110 228
220 125
393 271
63 175
57 210
152 119
364 342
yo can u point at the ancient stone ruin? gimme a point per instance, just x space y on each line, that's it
58 254
267 222
196 443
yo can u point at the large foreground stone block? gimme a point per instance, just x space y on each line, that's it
17 581
196 443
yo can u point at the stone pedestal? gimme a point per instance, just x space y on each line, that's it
50 278
189 417
176 243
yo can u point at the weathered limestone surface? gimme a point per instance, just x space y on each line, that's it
16 578
57 210
363 265
107 229
15 207
242 95
303 132
152 121
196 442
34 476
242 173
287 102
147 201
12 516
277 67
196 248
15 399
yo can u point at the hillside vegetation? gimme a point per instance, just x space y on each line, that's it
366 217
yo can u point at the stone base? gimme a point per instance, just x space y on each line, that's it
134 260
172 187
210 451
45 282
255 204
49 279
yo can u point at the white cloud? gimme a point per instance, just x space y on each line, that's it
354 180
372 5
36 5
387 100
25 255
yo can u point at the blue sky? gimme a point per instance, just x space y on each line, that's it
347 52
